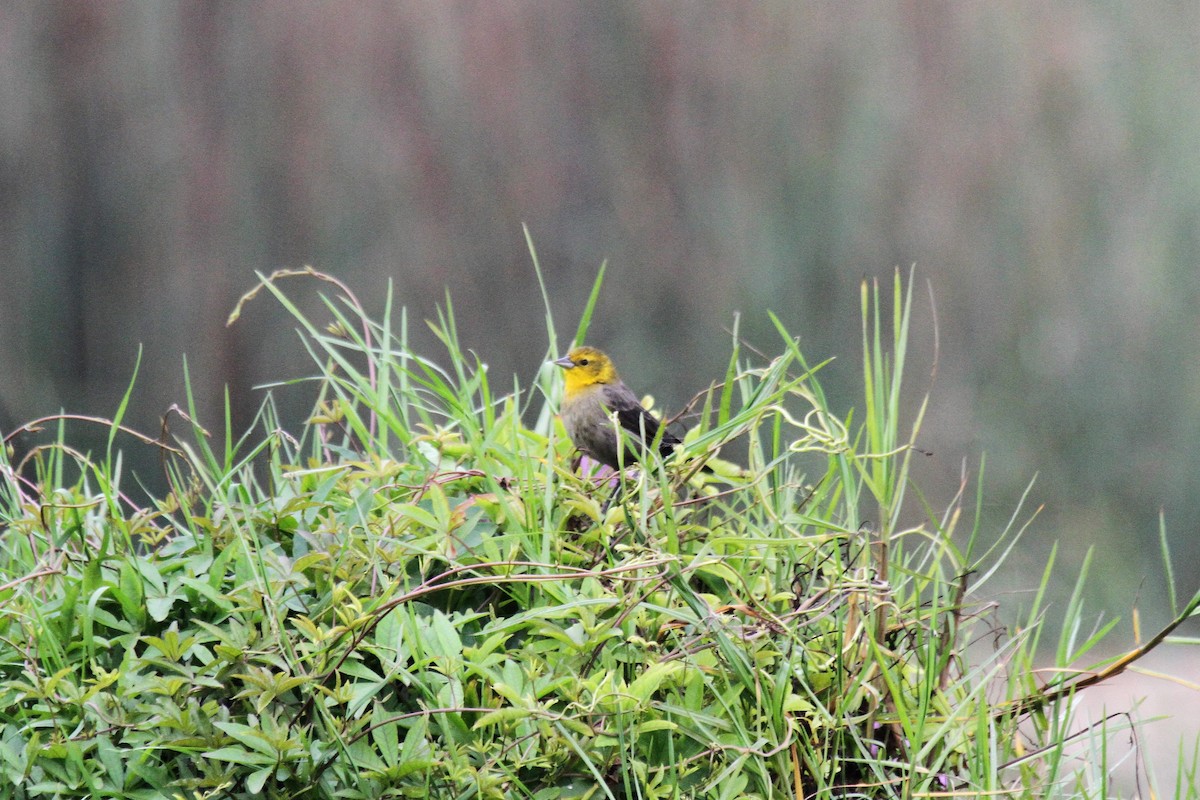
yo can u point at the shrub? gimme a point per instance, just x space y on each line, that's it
416 595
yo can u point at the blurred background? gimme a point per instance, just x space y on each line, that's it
1039 165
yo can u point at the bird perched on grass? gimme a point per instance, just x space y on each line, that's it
593 396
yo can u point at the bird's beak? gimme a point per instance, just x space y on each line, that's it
565 362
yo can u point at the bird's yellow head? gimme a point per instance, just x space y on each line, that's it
587 366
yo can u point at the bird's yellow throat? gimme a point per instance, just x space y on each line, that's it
585 367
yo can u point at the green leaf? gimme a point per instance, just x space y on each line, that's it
652 678
237 755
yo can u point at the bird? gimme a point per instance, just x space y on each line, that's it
593 395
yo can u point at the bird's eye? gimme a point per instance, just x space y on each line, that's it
583 362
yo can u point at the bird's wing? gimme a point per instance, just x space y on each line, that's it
633 418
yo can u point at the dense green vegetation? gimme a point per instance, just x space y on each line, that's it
419 595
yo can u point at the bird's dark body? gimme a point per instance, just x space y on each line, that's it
595 434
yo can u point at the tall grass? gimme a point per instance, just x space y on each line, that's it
415 595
